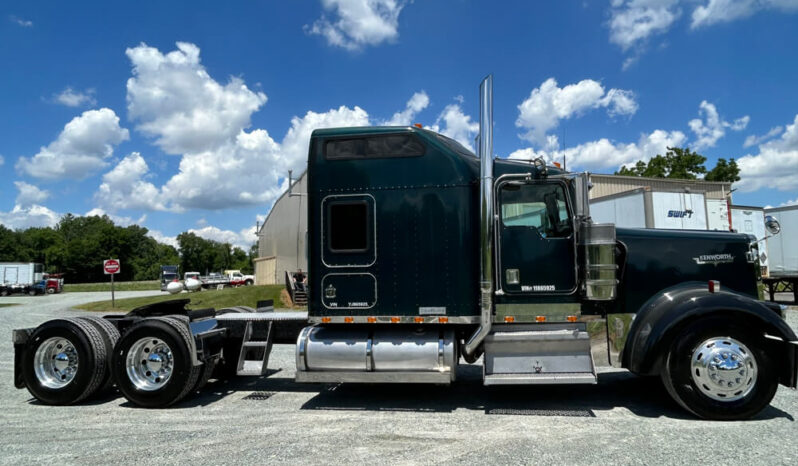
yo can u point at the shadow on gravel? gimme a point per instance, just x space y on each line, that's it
643 396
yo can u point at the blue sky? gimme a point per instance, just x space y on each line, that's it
187 115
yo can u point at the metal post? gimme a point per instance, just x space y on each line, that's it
113 301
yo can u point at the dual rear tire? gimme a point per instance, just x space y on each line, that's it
69 360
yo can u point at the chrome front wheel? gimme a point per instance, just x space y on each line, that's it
724 369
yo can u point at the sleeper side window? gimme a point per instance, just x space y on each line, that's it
373 147
348 233
348 226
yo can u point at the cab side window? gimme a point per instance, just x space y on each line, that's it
540 206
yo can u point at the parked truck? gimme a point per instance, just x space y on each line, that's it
783 252
423 255
169 274
22 277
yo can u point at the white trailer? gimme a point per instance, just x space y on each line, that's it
21 277
783 251
751 221
644 208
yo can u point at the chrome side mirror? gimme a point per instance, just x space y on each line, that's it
772 225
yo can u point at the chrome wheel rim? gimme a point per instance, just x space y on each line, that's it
723 369
149 364
55 362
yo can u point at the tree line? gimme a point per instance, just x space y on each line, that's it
682 163
77 246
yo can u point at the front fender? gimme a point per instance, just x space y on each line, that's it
666 313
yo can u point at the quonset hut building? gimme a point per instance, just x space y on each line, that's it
282 237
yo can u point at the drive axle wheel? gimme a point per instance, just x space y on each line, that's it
152 364
718 371
65 361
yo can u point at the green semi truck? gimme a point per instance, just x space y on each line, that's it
422 255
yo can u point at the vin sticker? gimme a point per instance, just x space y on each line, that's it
538 288
432 311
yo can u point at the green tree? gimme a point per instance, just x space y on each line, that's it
724 171
678 162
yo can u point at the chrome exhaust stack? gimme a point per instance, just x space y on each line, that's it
485 152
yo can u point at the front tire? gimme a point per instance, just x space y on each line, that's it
152 364
720 371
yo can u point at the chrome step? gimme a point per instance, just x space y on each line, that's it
555 353
541 379
261 348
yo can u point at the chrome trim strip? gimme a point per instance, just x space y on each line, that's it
402 320
374 217
432 377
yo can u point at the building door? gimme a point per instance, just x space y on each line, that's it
536 247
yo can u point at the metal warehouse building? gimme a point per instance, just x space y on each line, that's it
283 234
281 239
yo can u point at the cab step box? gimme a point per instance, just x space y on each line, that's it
555 353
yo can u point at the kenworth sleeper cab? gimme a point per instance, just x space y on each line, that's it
420 255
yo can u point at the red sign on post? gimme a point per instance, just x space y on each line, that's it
111 266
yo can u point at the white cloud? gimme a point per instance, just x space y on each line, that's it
712 127
122 221
30 194
243 239
606 155
417 103
789 203
358 23
124 187
2 161
161 238
73 98
776 164
452 122
175 100
753 140
20 218
295 143
20 21
717 11
80 149
632 22
549 103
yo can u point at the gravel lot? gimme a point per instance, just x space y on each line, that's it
623 420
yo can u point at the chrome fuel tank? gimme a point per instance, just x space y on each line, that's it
359 349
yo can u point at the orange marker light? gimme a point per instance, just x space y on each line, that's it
394 320
557 164
571 318
372 320
509 319
418 125
325 320
443 320
349 320
540 319
419 320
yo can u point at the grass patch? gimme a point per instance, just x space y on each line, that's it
8 304
118 286
241 296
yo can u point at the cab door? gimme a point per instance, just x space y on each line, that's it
536 240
